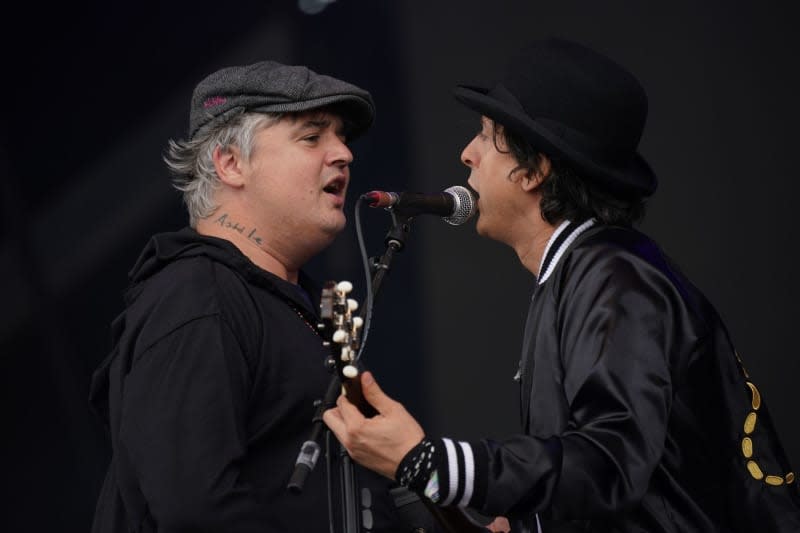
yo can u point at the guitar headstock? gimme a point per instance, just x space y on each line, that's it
341 329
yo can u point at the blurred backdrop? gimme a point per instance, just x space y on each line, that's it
91 93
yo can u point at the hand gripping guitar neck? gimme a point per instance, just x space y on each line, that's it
343 331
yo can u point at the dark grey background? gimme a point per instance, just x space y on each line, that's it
91 93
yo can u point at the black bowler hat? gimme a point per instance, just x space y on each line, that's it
573 104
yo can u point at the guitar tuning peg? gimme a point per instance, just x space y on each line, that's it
339 336
344 286
350 371
357 322
352 305
347 354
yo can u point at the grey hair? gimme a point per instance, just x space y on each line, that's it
192 162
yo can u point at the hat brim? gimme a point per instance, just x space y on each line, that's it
635 177
357 111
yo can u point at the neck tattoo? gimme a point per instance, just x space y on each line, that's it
225 221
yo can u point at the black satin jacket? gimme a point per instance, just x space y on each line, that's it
638 414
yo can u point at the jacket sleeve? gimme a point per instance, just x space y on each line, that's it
622 321
182 427
614 325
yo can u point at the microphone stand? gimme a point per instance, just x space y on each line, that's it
311 448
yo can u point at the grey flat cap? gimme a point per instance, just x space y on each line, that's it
269 86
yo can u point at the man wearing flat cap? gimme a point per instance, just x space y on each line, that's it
216 364
638 414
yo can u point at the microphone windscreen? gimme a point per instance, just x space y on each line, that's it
463 205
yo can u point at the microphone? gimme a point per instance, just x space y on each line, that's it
455 204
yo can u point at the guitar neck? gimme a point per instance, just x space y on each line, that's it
352 389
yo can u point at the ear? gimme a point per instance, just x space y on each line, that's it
538 176
228 164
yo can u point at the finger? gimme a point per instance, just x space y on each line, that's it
350 414
332 415
499 525
374 394
333 419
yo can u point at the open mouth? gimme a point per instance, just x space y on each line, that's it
336 187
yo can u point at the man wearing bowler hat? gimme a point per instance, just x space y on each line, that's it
216 364
638 414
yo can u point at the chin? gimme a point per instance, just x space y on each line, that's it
488 233
341 223
480 228
335 227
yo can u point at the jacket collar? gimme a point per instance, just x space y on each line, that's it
564 235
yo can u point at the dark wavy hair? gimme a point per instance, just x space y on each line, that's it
565 194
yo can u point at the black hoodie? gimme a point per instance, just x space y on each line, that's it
209 393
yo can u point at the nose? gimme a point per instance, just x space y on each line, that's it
469 155
339 154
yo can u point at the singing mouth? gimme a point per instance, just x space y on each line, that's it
336 186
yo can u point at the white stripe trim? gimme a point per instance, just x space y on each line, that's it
564 245
550 242
452 471
469 474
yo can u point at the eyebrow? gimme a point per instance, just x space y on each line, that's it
314 123
321 123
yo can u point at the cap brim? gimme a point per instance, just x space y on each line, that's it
357 111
